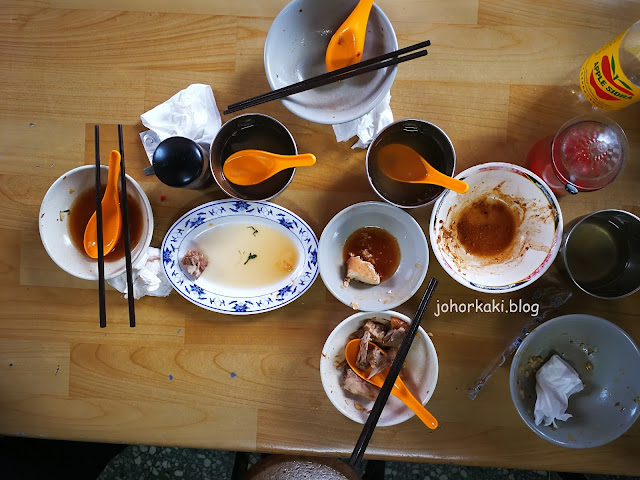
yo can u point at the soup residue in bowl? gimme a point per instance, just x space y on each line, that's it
243 255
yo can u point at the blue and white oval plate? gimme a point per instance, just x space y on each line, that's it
238 300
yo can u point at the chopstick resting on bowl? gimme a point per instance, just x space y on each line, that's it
394 370
101 288
375 63
125 224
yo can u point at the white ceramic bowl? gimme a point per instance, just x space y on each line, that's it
609 403
414 256
295 50
420 373
54 230
538 237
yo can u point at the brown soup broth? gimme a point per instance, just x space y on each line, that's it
374 245
84 207
486 227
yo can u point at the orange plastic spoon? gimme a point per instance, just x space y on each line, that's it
399 388
250 167
404 164
347 44
111 217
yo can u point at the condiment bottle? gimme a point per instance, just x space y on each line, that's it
586 154
610 78
181 162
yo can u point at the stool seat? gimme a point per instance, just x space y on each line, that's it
292 467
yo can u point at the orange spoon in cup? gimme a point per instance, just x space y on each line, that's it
250 167
404 164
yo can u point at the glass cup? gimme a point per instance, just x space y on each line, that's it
601 253
586 154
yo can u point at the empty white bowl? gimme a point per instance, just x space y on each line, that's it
395 290
608 363
537 238
295 50
54 228
420 372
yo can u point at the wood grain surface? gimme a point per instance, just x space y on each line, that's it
497 79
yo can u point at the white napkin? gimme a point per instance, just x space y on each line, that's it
148 277
190 113
367 126
556 381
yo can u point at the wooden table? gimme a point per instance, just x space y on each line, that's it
496 80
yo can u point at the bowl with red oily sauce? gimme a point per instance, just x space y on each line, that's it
65 211
501 235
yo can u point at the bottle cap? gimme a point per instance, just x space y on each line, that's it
178 161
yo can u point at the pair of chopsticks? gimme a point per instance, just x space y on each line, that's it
375 63
394 371
125 222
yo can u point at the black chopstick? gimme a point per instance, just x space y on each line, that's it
125 224
381 61
383 395
101 290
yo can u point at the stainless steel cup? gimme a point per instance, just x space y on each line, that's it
601 253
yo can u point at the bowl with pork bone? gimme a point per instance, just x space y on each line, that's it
353 396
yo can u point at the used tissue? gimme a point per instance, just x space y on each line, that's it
148 277
190 113
556 381
367 126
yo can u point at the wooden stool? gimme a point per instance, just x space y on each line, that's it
291 467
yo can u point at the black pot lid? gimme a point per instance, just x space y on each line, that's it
178 161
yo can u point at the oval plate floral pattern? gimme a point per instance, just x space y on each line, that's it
181 234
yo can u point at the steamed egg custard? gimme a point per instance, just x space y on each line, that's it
247 256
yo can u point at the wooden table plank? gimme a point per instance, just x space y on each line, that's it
497 79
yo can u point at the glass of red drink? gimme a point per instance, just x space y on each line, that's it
586 154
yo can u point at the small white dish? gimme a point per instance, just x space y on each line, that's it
295 50
54 229
420 373
414 256
238 300
538 237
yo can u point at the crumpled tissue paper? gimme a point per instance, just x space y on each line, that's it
556 381
148 277
367 126
190 113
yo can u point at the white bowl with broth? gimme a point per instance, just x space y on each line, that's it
402 284
63 240
260 256
502 234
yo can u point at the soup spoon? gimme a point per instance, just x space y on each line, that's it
250 167
404 164
346 46
399 388
111 217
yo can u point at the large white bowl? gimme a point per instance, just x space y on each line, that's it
420 372
538 237
54 228
608 404
414 256
295 50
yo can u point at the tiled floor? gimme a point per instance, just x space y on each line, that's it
141 462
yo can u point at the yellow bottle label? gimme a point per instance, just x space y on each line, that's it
604 83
